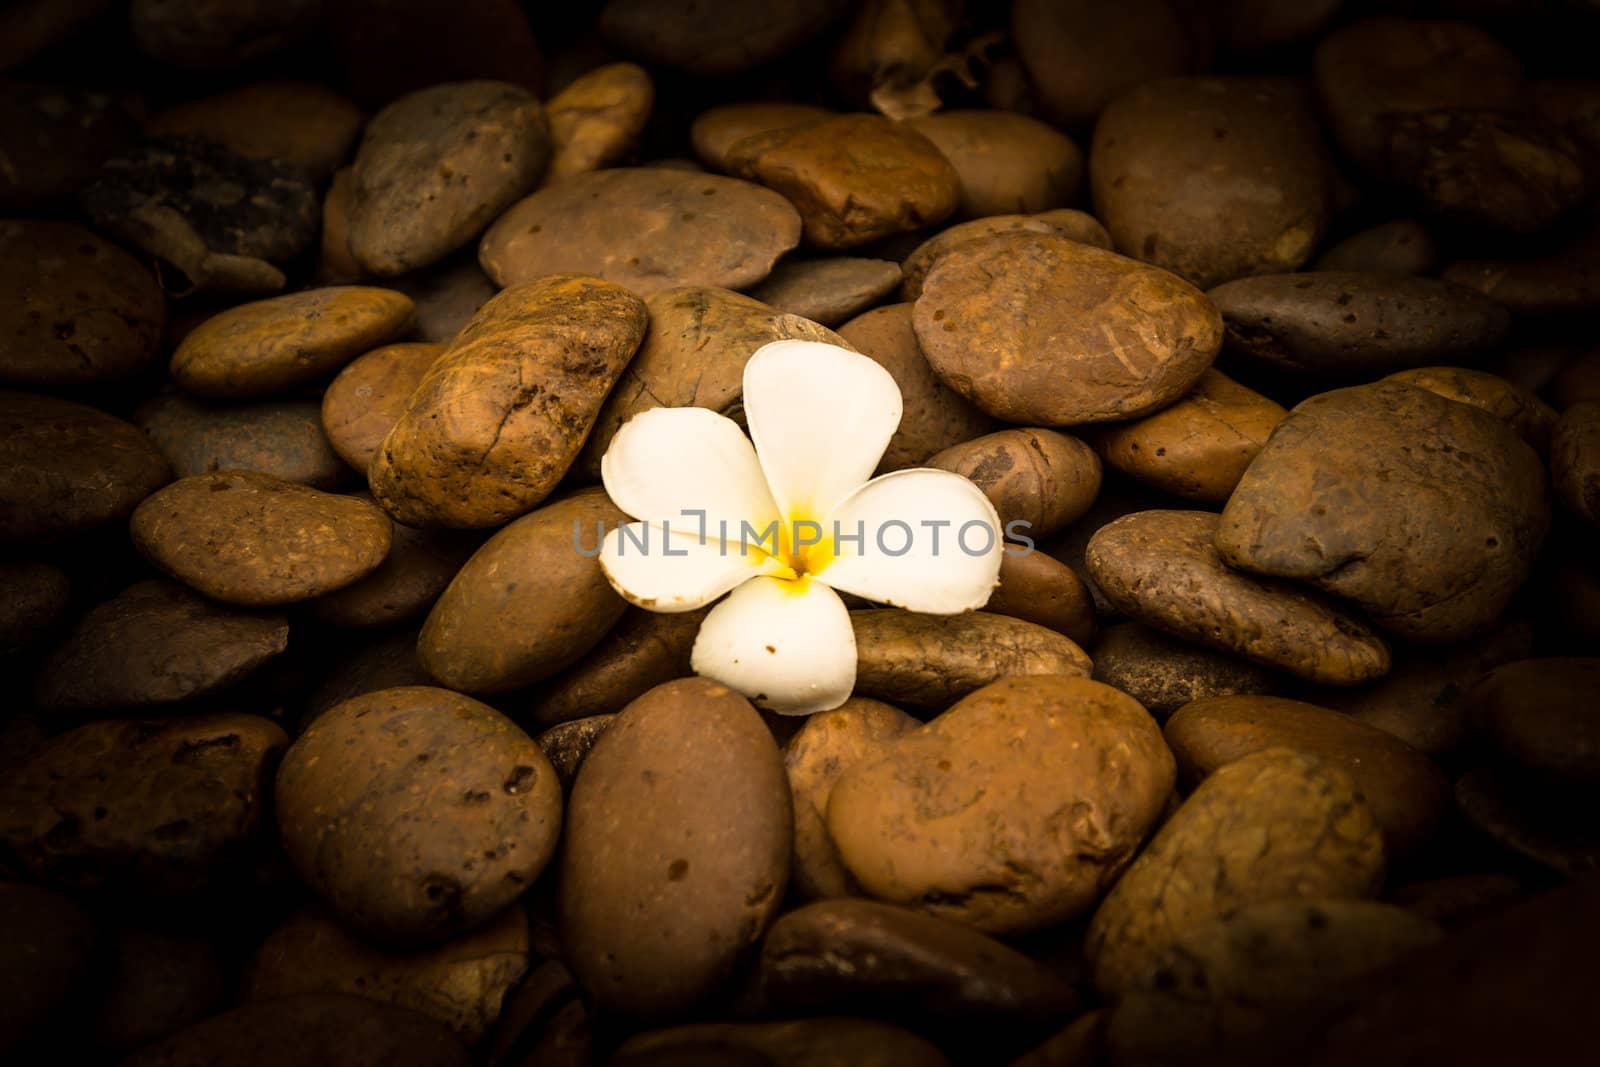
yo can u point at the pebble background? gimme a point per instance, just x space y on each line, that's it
1275 321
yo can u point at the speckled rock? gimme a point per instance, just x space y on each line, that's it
437 166
282 438
645 228
676 849
500 417
363 403
1433 542
1012 811
416 813
160 808
1164 673
1035 328
153 644
1162 568
270 345
251 539
67 467
74 308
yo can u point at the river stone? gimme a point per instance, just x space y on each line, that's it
644 649
1213 178
386 662
1356 324
1035 328
870 958
206 35
47 949
714 132
270 345
225 221
1199 447
1563 283
568 744
829 290
1275 825
251 539
1432 541
66 467
1064 222
931 661
1403 246
74 308
528 603
500 417
1369 72
282 438
311 1028
1008 163
1541 715
1515 405
1408 794
1164 673
1163 569
693 355
446 295
363 403
714 38
419 566
1039 481
1252 981
1012 811
1039 588
1485 169
416 813
676 849
645 228
830 1041
1079 55
460 983
296 122
34 598
853 178
153 644
164 809
933 416
826 745
53 138
597 118
1575 460
437 166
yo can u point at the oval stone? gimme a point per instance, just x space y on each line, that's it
417 813
1541 714
715 131
1348 323
1064 222
1008 163
597 118
1575 460
500 417
1519 407
1039 588
67 467
364 402
247 538
676 850
438 165
1037 328
419 566
1163 569
828 290
74 308
153 644
275 344
644 228
1403 246
1039 481
644 649
1164 673
282 438
529 603
1012 811
292 121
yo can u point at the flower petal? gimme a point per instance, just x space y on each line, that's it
677 572
667 463
787 645
948 530
821 417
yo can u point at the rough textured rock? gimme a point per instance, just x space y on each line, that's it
501 415
255 540
1519 407
1035 328
1426 512
1164 673
1012 811
645 228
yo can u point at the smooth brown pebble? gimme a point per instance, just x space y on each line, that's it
1039 481
1403 246
1542 715
282 438
828 290
1007 163
1064 222
597 118
363 403
296 122
644 649
1532 418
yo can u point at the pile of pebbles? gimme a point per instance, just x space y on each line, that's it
1274 322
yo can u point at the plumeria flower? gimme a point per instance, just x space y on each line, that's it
780 525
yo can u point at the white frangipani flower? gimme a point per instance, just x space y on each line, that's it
783 524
